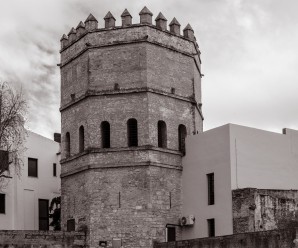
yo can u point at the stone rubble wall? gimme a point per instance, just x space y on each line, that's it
263 209
45 239
286 238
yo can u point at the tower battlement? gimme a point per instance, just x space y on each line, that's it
88 34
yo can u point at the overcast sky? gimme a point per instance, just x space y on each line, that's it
249 55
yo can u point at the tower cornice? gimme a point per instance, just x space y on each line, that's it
94 93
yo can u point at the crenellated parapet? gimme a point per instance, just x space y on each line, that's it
90 26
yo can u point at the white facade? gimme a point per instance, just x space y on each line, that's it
239 157
22 194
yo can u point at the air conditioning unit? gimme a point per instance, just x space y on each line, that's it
188 220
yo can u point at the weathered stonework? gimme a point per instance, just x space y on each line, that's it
262 209
46 239
282 238
135 71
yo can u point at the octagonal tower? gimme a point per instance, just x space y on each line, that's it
129 95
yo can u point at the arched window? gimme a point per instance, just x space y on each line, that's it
162 134
132 132
181 138
81 139
105 134
67 144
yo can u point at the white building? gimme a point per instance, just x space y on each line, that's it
233 157
25 200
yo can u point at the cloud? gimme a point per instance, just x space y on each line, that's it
249 53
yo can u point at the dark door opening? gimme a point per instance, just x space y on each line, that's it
171 234
43 214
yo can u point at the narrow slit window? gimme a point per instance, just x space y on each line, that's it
81 139
105 134
2 203
210 184
54 170
162 134
67 144
132 132
181 138
211 227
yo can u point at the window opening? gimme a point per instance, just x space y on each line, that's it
210 182
43 214
2 203
162 134
71 225
211 227
171 234
67 144
105 134
32 167
181 136
81 139
132 130
54 170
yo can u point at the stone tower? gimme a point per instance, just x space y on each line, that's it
129 95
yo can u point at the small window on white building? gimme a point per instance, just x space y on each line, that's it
32 167
211 227
54 170
3 160
2 203
210 184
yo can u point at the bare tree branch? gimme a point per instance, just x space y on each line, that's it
5 176
13 108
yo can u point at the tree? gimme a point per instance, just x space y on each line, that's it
13 108
55 214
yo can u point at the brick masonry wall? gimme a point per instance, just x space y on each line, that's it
14 239
127 192
261 209
133 204
285 238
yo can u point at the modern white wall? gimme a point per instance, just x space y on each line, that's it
262 159
22 193
239 157
206 153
